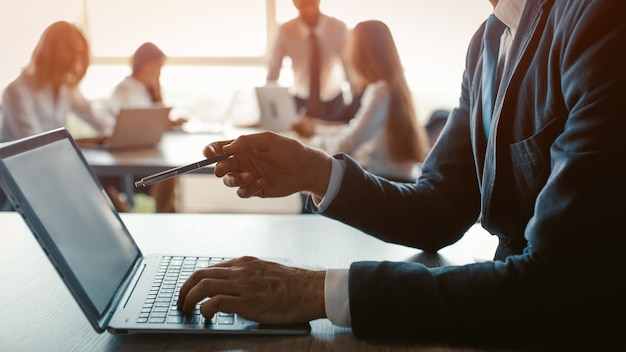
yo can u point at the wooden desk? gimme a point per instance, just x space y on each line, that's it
177 148
37 312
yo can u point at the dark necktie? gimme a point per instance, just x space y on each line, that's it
314 102
491 45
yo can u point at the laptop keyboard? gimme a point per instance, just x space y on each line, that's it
160 305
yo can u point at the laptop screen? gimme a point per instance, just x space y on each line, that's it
277 108
67 206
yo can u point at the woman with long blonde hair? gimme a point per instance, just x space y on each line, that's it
384 136
142 89
46 91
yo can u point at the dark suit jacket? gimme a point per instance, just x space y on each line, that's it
549 183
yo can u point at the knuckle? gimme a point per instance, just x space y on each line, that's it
212 306
247 258
196 276
217 302
204 284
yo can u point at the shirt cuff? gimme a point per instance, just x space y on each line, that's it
337 297
337 170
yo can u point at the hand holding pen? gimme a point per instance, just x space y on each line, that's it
167 174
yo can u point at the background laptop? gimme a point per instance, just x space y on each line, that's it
48 181
139 128
277 108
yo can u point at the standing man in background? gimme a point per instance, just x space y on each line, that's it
314 43
142 89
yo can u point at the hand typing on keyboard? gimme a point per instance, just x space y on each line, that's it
160 306
258 290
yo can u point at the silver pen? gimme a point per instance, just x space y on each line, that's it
164 175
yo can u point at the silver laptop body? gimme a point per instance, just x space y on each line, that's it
139 128
48 181
277 108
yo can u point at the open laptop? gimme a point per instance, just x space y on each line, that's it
49 183
277 108
139 128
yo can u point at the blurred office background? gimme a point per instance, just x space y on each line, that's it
217 49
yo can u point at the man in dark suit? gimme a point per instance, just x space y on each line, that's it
545 176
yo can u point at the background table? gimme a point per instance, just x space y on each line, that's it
176 148
37 312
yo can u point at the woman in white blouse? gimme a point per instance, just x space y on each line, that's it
46 91
142 89
384 136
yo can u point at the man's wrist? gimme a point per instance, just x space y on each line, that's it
337 297
314 306
334 183
319 175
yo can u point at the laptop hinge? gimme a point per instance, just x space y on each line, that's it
133 284
123 293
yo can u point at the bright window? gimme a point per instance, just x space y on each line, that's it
181 28
216 48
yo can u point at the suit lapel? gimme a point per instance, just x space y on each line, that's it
535 13
522 50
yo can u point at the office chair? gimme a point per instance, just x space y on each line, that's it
435 124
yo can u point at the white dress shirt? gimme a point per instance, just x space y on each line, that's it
336 292
292 41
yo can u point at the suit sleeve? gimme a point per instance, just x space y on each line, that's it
568 282
429 214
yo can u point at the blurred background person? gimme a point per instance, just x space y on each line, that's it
384 135
45 93
314 43
142 89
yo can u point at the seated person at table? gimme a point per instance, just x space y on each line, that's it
47 90
140 90
45 93
544 173
143 87
384 136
